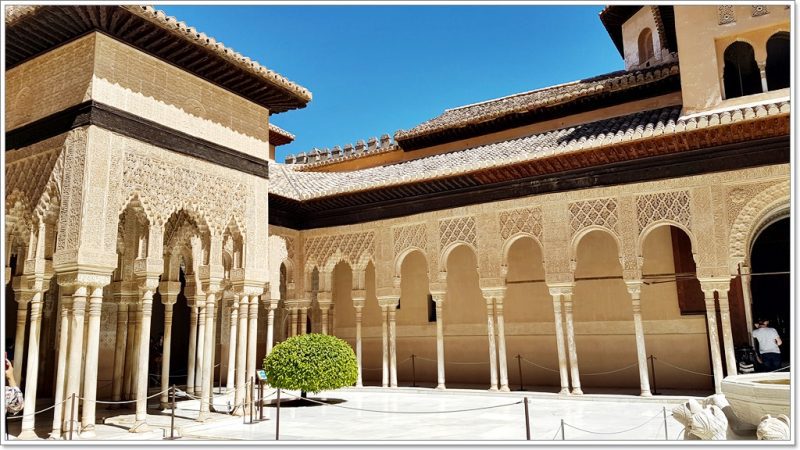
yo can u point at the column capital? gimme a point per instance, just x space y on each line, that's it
634 287
324 297
76 279
438 297
496 293
389 302
560 289
710 285
169 291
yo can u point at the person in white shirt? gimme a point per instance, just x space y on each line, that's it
767 343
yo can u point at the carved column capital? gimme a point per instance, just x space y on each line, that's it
710 285
494 293
389 303
560 289
634 288
438 298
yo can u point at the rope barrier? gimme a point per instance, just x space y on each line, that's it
615 432
610 371
37 412
537 365
105 402
407 412
683 430
557 431
682 369
452 362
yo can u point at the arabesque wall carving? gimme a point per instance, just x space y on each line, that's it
673 206
751 216
600 212
459 229
319 249
409 236
521 220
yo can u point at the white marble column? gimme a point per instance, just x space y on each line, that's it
201 342
147 288
635 289
762 70
119 350
130 349
271 305
92 355
324 308
295 321
192 345
392 345
438 298
232 347
169 296
303 320
747 300
560 345
727 332
501 343
19 339
208 362
358 305
385 346
252 335
65 309
571 347
241 356
716 359
75 356
32 375
492 345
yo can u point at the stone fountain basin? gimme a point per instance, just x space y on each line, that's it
754 395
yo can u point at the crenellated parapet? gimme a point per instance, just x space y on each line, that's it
317 157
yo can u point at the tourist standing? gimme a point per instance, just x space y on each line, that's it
767 341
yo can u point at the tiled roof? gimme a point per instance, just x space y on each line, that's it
527 101
298 185
279 136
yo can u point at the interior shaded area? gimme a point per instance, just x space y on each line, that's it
778 72
770 283
741 72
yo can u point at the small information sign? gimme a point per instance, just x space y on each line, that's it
262 375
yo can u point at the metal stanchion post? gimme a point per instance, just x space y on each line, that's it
278 415
260 400
250 398
653 371
666 433
562 430
413 371
519 364
244 402
72 416
527 421
172 418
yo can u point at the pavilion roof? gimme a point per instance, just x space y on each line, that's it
279 136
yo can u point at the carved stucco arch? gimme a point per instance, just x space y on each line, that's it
772 203
662 223
580 234
513 239
400 257
444 255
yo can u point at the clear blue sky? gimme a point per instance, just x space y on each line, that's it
377 69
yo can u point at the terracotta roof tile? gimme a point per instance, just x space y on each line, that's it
287 181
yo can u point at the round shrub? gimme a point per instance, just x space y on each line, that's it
311 363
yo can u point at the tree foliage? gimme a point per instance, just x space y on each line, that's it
311 363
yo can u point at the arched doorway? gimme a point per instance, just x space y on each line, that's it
769 285
741 74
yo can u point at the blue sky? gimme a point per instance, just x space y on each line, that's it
376 69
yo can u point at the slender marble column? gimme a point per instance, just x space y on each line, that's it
136 348
232 348
201 342
295 319
324 316
492 345
169 297
271 307
92 356
130 350
385 346
439 300
573 352
252 336
303 320
634 288
560 346
19 339
75 356
501 343
208 363
748 301
119 350
392 346
58 412
727 333
32 375
716 359
241 356
358 304
148 288
762 70
192 346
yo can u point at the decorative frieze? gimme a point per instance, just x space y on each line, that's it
409 236
725 14
673 206
459 229
319 249
522 220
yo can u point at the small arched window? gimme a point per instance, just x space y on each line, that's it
741 75
778 61
645 45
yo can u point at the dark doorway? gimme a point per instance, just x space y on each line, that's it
741 73
770 282
778 61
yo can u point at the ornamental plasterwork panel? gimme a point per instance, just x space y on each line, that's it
409 236
521 220
759 10
738 196
674 206
72 191
108 325
167 183
600 212
319 249
725 14
749 217
459 229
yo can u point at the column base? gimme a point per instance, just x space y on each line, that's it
646 394
504 388
163 405
440 387
28 435
139 427
88 433
55 435
577 391
393 385
493 388
202 417
563 391
359 384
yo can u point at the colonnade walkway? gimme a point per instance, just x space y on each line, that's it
415 413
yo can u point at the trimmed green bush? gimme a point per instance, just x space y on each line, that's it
311 363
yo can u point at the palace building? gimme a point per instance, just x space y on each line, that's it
576 237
